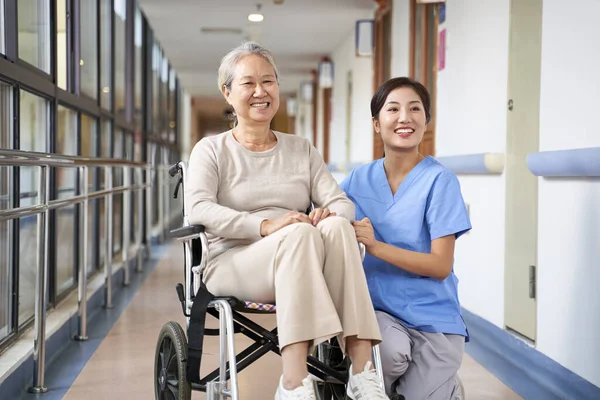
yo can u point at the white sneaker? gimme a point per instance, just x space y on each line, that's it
304 392
365 385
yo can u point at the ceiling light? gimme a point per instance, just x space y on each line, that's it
255 17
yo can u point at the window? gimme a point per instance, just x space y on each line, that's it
105 54
120 17
34 33
89 148
61 45
172 116
156 62
118 152
164 99
139 68
2 48
89 48
66 180
33 131
6 281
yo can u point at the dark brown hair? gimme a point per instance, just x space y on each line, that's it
378 100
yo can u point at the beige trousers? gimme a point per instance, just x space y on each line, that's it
313 274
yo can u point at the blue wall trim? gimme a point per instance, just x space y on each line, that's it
467 164
528 372
65 357
574 162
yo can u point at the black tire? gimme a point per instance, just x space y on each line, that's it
170 363
334 358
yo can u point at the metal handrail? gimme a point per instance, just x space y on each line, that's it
17 158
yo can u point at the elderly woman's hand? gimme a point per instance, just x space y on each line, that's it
269 226
319 214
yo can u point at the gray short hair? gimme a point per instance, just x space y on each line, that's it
229 62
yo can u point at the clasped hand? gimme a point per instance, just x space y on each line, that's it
267 227
365 233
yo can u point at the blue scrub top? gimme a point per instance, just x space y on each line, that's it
427 205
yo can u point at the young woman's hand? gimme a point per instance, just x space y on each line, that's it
365 233
269 226
319 214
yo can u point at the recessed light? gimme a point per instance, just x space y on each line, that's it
255 17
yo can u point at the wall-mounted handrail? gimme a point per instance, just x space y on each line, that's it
583 162
481 163
16 158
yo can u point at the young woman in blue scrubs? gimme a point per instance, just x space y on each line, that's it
409 213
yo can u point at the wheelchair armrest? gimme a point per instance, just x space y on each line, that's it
174 170
186 231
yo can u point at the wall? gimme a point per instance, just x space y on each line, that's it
471 118
361 136
400 59
569 213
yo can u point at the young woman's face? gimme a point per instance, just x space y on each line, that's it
254 93
402 120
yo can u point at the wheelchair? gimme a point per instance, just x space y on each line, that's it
178 356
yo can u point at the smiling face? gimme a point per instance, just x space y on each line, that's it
254 91
402 120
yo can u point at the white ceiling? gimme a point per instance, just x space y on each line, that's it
298 32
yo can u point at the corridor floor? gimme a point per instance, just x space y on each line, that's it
122 366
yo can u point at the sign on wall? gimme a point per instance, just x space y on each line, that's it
442 50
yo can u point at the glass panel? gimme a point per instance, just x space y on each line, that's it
89 48
156 62
6 130
2 48
89 148
164 99
172 105
139 68
61 44
66 178
118 152
105 139
34 33
33 130
105 53
120 17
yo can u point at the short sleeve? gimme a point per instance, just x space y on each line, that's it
345 184
446 211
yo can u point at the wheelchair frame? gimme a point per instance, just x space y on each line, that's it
229 311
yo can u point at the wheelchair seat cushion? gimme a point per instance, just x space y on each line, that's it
260 306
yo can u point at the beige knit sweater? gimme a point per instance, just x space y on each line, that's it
231 190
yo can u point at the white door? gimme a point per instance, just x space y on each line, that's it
523 104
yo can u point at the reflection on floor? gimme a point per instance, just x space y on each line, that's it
122 366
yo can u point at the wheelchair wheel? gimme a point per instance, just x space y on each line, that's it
335 358
170 363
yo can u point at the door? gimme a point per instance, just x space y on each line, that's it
423 61
382 58
523 104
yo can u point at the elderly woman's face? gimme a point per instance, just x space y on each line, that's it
254 91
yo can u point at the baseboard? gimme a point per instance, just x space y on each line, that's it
531 374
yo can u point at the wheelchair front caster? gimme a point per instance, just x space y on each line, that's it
332 356
170 358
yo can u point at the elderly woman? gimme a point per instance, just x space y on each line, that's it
250 187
